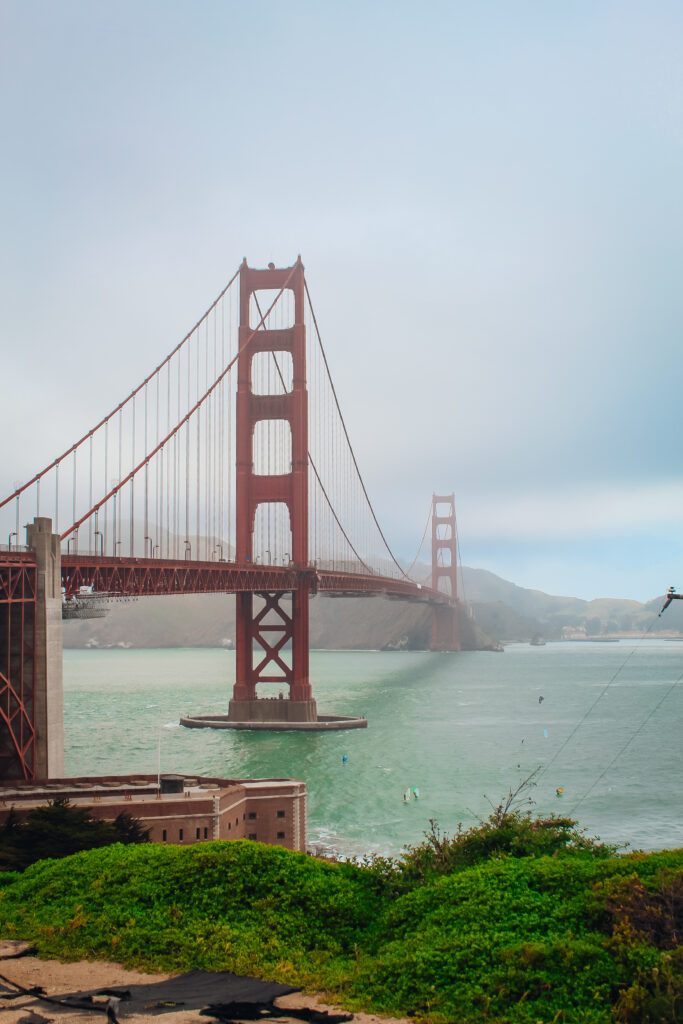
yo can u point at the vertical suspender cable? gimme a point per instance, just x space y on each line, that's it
187 463
168 453
160 503
214 440
221 431
207 445
73 505
231 432
199 421
106 482
89 499
159 464
132 485
120 507
176 484
207 454
146 517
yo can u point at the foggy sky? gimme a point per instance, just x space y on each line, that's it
486 196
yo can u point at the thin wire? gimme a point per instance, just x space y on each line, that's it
628 743
602 693
336 519
132 488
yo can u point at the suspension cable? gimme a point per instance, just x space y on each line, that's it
133 393
185 418
414 561
346 434
312 463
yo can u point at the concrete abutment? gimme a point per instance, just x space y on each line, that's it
49 687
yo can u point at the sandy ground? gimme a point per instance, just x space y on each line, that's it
58 978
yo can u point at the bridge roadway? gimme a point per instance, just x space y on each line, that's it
138 577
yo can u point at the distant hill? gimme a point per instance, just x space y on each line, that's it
508 612
499 611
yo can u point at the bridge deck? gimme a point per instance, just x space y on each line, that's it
140 577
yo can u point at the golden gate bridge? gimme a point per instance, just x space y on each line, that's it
229 469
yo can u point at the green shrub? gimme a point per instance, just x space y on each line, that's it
514 834
574 936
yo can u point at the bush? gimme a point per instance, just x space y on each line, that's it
506 833
571 937
59 829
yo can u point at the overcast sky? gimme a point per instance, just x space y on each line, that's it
487 198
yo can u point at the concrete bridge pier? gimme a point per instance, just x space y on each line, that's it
31 694
49 688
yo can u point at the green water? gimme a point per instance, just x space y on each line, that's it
460 727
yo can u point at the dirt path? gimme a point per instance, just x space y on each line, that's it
59 978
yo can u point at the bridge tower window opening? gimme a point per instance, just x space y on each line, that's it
272 373
272 447
281 316
272 536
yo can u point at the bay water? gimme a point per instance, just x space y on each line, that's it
464 729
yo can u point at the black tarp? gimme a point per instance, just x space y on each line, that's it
191 991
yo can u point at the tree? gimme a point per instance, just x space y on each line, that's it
593 626
59 829
129 829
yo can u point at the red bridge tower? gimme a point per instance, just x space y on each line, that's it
261 635
444 570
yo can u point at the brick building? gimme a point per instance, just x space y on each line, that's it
181 809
